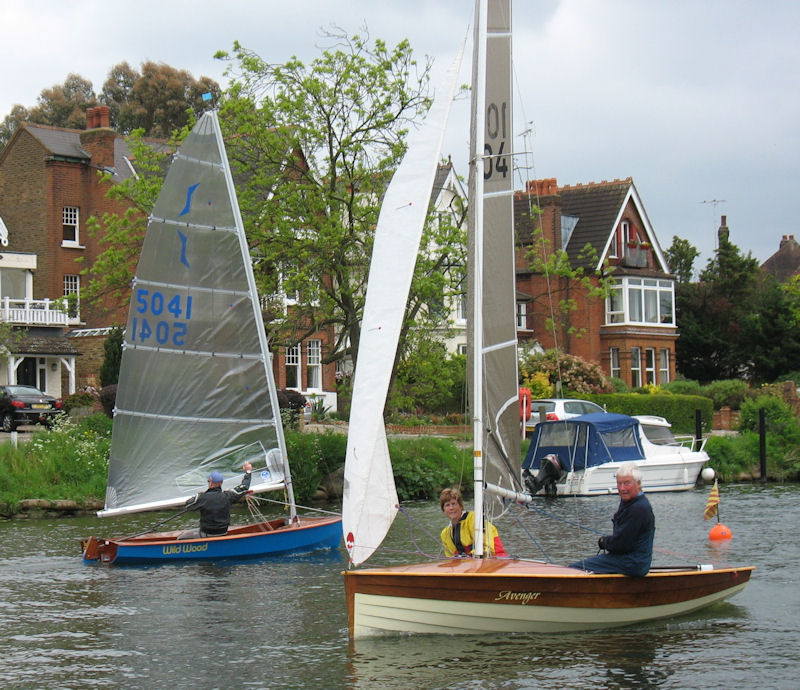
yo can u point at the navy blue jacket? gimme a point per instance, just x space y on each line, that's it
634 529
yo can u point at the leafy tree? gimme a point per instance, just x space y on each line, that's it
712 314
112 347
110 276
680 257
562 281
159 100
429 379
315 146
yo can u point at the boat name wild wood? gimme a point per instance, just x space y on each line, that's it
185 548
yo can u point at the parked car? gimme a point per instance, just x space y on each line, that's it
559 408
27 405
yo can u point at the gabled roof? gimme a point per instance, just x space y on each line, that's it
37 343
784 263
597 206
66 143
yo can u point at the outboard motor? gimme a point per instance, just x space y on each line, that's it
550 471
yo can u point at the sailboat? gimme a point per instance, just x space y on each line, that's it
479 594
196 391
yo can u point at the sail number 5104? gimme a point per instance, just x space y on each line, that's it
495 144
163 318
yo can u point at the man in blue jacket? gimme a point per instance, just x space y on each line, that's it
629 550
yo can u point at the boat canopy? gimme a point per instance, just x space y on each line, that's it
586 441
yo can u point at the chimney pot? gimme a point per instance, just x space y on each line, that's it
724 220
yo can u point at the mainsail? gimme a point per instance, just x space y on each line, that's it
491 269
370 497
196 391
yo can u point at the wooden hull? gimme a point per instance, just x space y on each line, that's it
472 596
273 538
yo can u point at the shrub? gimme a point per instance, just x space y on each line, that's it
423 467
80 399
108 398
567 371
682 387
778 418
726 393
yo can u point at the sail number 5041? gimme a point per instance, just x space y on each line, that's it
495 144
163 318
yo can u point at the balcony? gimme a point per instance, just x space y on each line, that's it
33 312
635 257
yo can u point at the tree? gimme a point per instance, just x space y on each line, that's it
680 257
315 146
109 278
159 100
112 347
557 301
735 322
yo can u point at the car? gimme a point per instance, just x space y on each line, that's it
559 408
27 405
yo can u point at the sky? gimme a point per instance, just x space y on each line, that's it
697 100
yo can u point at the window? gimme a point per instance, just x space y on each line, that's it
625 231
461 309
72 291
522 316
615 306
314 362
293 367
462 349
636 367
650 365
641 300
663 365
69 226
614 362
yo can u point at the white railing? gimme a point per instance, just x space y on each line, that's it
33 312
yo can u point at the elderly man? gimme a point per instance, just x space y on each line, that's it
629 550
215 505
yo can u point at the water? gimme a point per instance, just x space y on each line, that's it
283 623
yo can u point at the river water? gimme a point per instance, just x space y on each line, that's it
282 623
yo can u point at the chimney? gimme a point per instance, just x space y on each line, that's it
101 116
723 233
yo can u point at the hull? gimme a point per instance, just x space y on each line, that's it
677 473
273 538
471 596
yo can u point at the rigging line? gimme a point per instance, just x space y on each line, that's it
529 533
411 522
263 499
547 513
158 524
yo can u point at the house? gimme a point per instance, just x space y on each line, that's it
785 263
632 333
49 187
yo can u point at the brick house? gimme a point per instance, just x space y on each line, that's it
49 187
632 333
783 264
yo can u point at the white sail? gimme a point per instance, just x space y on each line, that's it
370 497
491 270
196 391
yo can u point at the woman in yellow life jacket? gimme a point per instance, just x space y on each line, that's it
459 535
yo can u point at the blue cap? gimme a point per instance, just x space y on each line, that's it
215 477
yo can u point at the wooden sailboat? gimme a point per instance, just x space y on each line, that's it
482 594
196 391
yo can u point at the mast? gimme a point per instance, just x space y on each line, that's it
476 203
259 321
493 338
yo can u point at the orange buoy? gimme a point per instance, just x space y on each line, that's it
719 532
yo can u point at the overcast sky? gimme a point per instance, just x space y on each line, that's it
697 101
